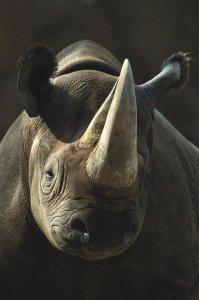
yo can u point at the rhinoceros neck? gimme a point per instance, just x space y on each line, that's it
9 160
14 198
64 276
169 142
16 236
174 174
14 156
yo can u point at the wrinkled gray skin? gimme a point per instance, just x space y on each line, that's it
67 235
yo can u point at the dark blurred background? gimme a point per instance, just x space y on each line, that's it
146 32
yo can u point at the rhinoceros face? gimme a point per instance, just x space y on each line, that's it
78 216
90 153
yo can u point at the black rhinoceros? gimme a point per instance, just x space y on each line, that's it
99 193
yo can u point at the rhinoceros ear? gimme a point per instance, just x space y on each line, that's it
35 68
174 76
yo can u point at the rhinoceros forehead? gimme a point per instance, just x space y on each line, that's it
73 101
83 90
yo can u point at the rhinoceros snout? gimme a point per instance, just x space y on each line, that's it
103 234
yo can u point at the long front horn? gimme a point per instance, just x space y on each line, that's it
113 162
94 130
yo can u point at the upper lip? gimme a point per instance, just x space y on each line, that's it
88 249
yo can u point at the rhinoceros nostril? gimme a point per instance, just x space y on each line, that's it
79 230
78 225
130 233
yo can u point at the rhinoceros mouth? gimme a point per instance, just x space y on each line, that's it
87 63
66 241
88 252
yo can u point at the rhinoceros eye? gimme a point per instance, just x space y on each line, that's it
49 174
49 177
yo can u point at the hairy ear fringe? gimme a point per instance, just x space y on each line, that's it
180 64
35 68
41 54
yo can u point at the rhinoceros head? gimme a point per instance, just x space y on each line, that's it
87 143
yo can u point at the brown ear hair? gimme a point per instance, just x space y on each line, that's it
35 68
